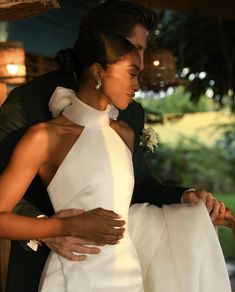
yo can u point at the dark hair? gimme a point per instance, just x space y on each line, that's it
102 48
117 17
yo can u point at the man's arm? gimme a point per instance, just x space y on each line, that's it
149 189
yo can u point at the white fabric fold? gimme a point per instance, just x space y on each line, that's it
178 249
62 97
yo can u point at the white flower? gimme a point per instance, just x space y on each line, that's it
149 139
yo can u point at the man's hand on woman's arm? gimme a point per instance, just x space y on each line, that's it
71 248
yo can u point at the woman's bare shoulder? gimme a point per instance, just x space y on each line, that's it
38 133
38 139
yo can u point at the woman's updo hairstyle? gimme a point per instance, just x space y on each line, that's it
102 48
65 59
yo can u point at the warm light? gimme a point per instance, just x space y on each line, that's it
12 63
13 69
156 63
159 69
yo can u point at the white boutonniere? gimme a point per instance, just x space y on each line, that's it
149 140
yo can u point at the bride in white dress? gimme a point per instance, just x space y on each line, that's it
88 165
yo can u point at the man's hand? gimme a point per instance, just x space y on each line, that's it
213 206
226 218
71 248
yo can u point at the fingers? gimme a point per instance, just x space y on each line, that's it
222 208
108 213
81 241
68 213
97 225
71 256
213 206
115 223
215 209
111 235
80 249
118 232
71 248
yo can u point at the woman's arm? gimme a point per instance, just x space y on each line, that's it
29 155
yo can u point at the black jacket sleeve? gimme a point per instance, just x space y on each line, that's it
147 188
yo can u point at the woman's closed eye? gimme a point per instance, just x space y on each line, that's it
133 75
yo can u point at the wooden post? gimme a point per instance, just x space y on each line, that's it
4 256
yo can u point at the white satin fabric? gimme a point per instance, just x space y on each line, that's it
177 245
97 172
178 248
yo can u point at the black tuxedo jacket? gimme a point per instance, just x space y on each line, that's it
27 105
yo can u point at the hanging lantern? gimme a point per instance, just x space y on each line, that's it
159 69
19 9
12 63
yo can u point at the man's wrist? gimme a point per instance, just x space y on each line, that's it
185 192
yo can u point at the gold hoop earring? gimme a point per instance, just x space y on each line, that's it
98 85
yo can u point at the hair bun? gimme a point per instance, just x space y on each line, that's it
65 59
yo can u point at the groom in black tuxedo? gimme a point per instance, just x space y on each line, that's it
28 105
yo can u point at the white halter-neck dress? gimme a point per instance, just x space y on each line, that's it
96 172
177 246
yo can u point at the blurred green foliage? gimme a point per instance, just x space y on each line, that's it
190 163
178 102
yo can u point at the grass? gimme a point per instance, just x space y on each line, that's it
202 126
225 234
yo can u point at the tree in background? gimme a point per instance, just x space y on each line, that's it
202 45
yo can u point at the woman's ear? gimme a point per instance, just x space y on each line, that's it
96 72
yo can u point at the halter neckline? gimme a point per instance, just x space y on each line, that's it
84 115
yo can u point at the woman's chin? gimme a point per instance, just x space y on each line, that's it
122 107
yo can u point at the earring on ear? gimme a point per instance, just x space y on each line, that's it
98 85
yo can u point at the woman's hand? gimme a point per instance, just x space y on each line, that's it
71 247
98 225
